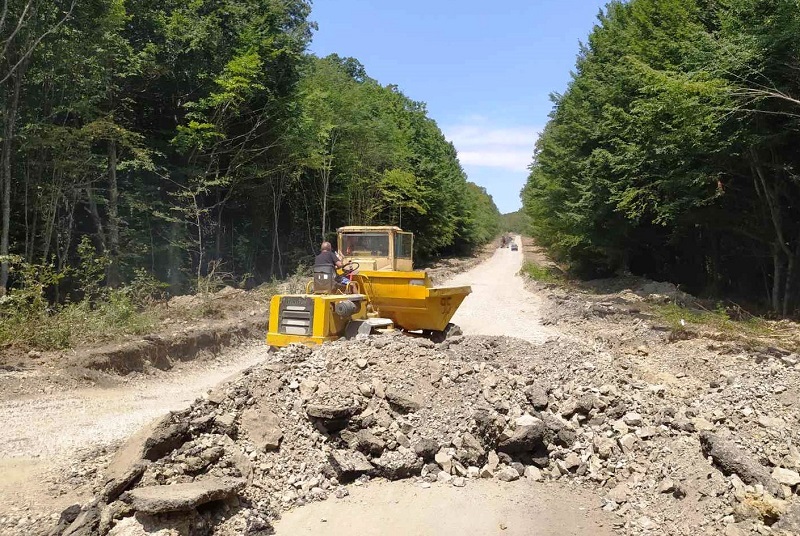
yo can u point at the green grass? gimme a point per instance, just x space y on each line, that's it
74 324
542 274
680 318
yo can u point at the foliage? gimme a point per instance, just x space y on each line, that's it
516 222
27 316
671 153
542 274
150 141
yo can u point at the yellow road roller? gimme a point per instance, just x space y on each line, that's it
377 289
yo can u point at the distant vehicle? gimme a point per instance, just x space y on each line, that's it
514 247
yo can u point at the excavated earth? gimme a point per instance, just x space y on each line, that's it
593 402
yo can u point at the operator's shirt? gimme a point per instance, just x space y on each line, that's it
326 258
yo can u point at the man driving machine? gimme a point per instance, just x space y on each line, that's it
327 257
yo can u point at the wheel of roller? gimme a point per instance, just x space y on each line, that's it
450 331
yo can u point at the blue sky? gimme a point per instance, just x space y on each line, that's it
485 69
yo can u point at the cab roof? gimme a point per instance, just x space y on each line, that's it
362 228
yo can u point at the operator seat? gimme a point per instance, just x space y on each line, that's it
324 279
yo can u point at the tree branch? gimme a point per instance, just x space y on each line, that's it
37 41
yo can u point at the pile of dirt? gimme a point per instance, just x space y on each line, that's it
302 427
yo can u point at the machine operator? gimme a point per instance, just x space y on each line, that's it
327 257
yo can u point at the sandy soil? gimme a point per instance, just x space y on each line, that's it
499 303
484 507
45 436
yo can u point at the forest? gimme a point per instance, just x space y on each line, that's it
168 140
673 153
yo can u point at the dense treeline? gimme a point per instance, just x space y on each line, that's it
180 137
673 153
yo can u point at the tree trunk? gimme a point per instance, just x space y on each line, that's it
8 142
777 278
101 242
112 274
788 293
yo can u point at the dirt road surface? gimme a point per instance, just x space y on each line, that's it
484 507
499 303
48 433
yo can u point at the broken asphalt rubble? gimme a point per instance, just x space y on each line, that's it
307 423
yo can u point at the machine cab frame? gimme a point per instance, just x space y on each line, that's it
383 248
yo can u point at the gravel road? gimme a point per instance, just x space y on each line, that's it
484 507
48 433
499 303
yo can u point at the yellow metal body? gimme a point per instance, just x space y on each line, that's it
325 324
389 289
377 248
409 299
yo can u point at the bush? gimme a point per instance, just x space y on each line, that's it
28 318
542 274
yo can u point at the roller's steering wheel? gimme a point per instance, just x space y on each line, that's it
349 268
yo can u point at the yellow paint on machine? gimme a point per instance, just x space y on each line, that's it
409 299
325 326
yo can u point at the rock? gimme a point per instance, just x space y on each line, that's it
444 460
181 497
533 473
398 464
701 425
632 419
486 472
557 431
332 412
86 522
68 515
773 423
764 508
349 465
507 474
627 443
405 401
426 448
786 476
378 388
262 427
620 493
493 460
646 523
369 443
537 396
152 442
459 482
365 389
307 389
224 423
471 449
789 521
731 459
362 363
647 432
524 438
444 477
572 462
733 530
604 446
667 486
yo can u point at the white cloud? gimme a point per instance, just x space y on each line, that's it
480 143
497 158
